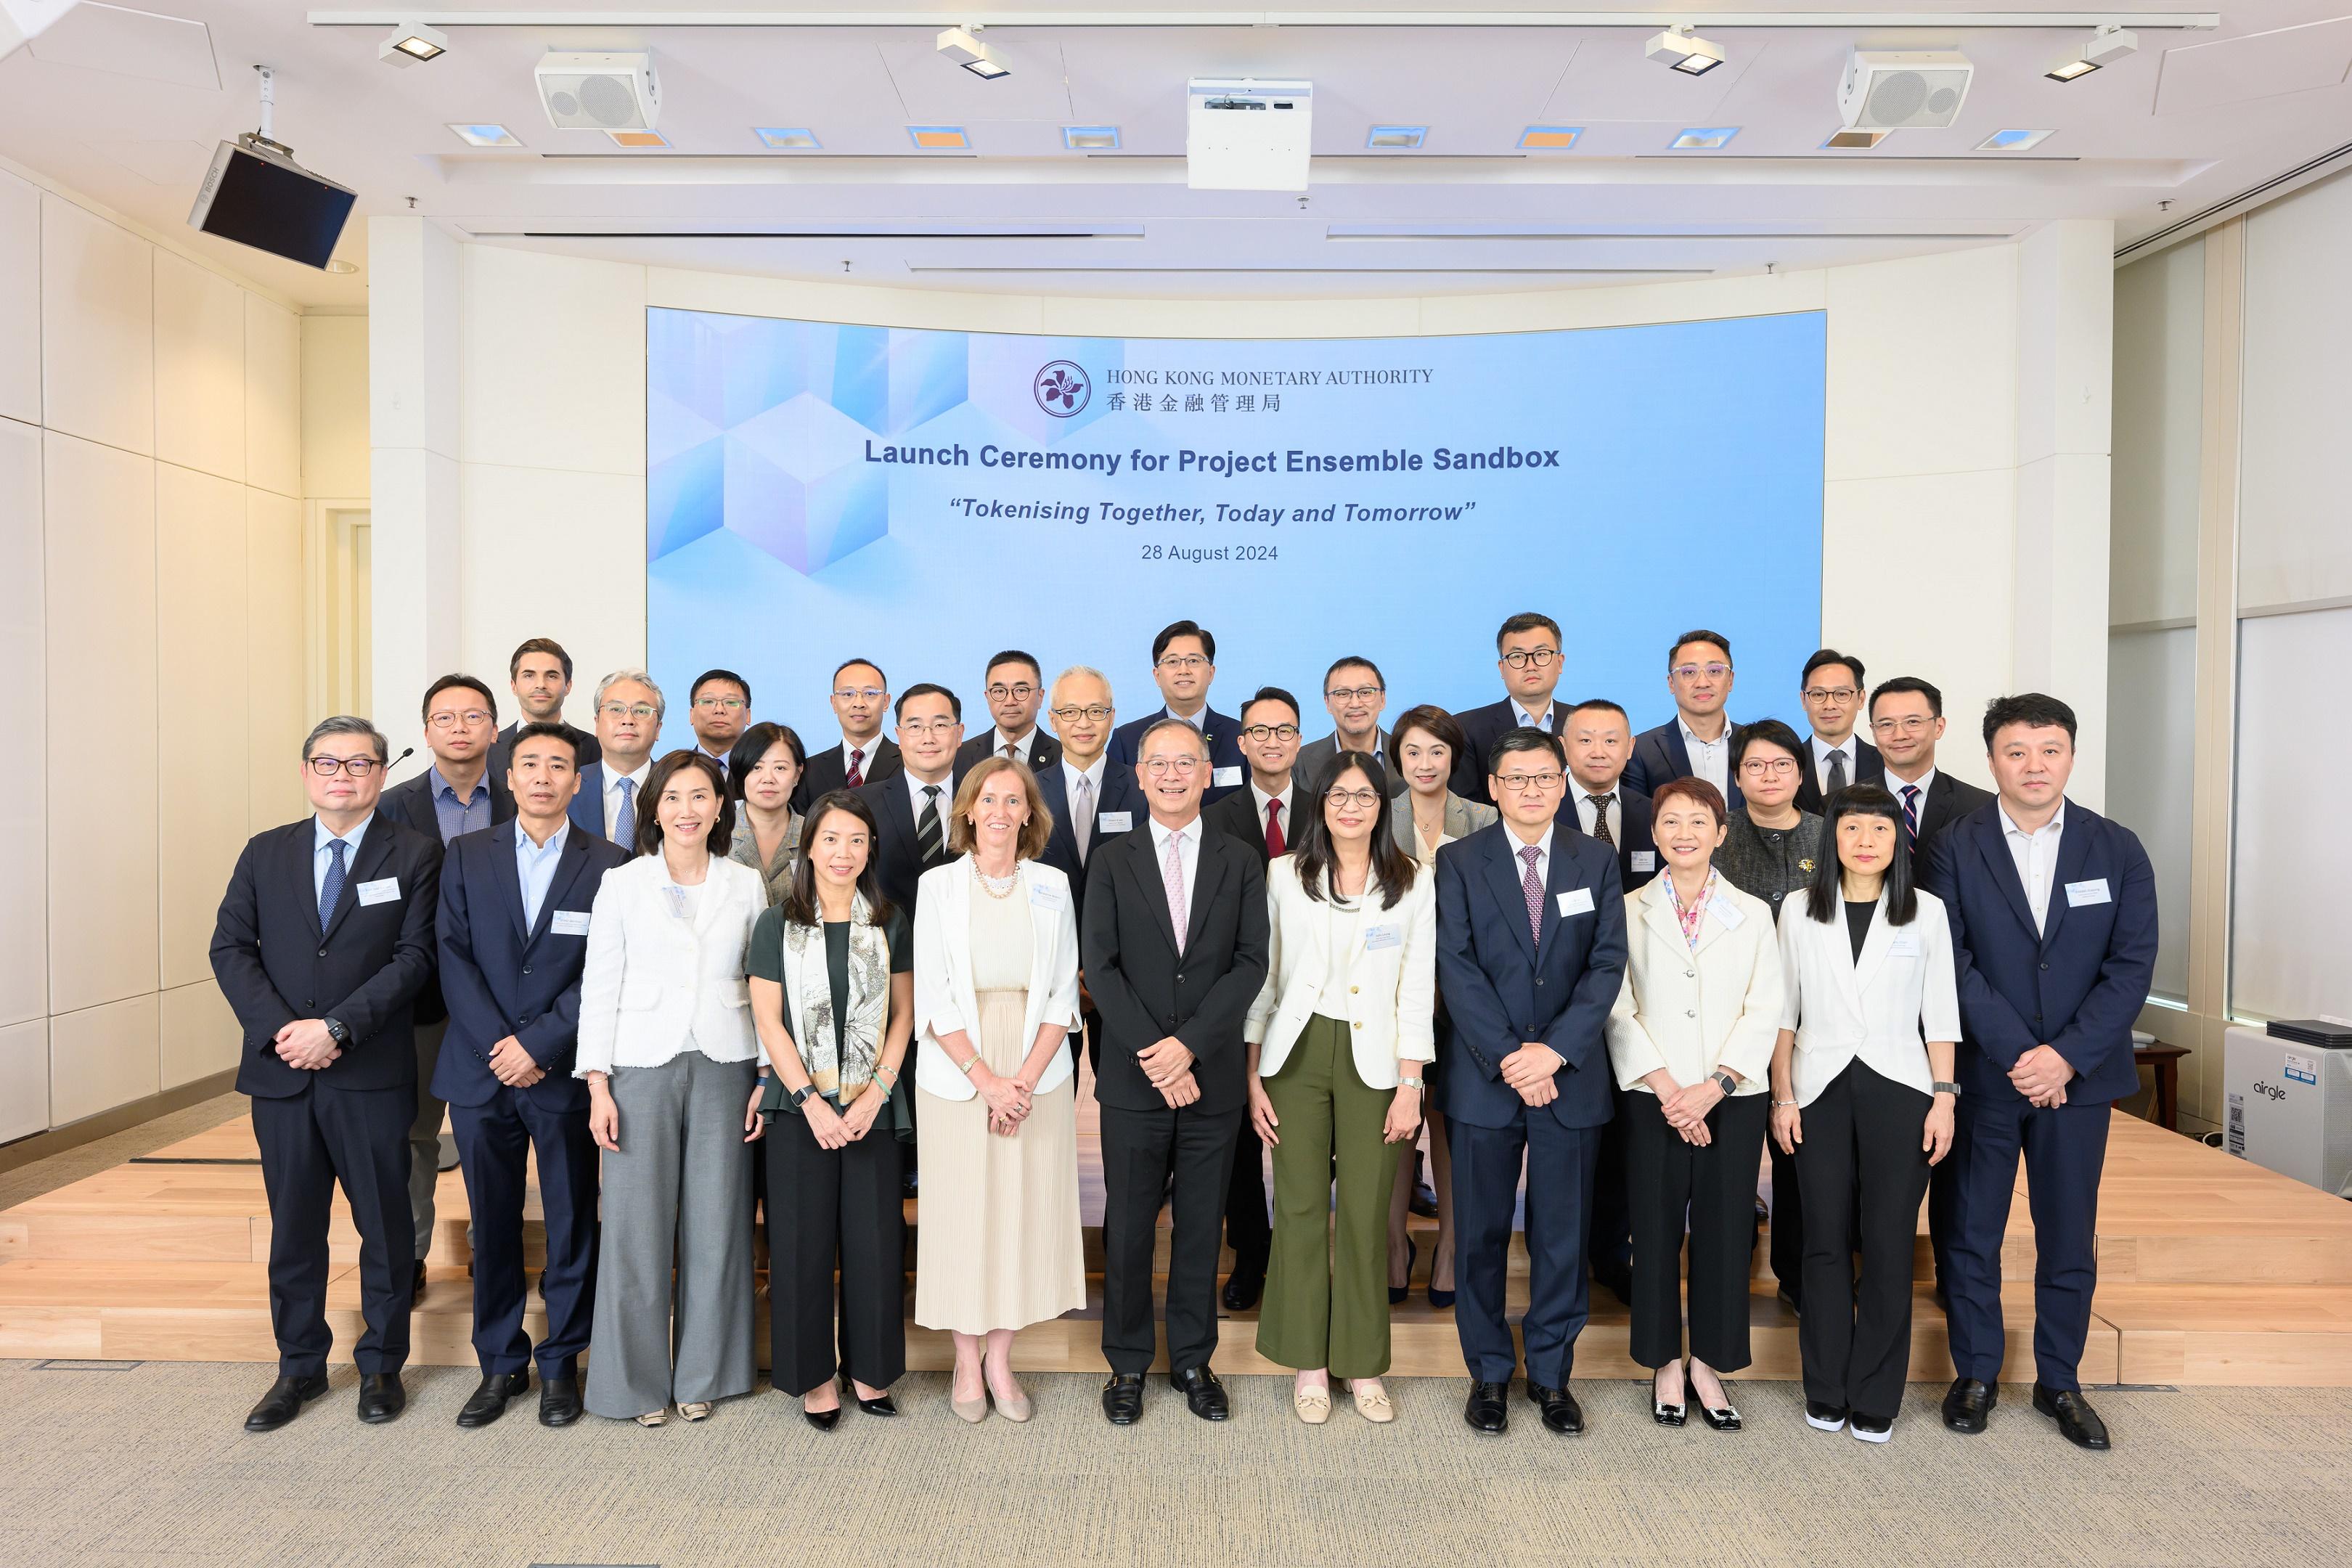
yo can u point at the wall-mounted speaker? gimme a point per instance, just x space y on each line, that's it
1896 91
599 91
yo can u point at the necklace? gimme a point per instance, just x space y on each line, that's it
995 887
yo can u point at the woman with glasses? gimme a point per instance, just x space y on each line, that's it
1336 1041
763 771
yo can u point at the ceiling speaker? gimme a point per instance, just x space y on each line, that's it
1903 91
599 91
1247 135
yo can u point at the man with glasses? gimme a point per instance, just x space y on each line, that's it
1015 689
1183 663
861 696
1091 803
1906 714
1526 656
456 795
539 676
1354 693
1833 691
718 706
628 722
912 807
324 942
1697 741
1530 956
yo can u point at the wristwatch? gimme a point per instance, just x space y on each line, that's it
337 1032
801 1095
1725 1082
1951 1088
1409 1083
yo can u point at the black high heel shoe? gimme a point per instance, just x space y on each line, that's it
1398 1293
1664 1413
822 1420
1725 1419
880 1406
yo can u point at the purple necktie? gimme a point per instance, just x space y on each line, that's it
1911 814
1533 887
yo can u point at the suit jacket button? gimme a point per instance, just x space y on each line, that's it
1690 1012
1539 982
2046 966
1179 973
1353 989
322 953
526 970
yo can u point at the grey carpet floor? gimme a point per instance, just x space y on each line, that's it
146 1464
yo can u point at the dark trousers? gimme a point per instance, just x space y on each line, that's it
1560 1163
310 1142
1788 1226
1610 1250
1142 1149
831 1208
1712 1190
493 1141
1248 1230
1864 1175
2065 1147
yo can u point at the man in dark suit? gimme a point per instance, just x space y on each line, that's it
1906 714
1174 947
2053 910
323 943
629 712
718 706
1090 802
1832 689
861 695
1355 693
1531 955
1015 689
539 676
513 933
1526 656
1697 740
456 794
1183 664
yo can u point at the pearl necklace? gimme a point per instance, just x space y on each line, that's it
995 887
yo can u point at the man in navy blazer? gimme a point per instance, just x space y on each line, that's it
1183 664
1081 776
1527 658
1698 739
323 943
2053 910
513 932
629 710
1833 691
1530 956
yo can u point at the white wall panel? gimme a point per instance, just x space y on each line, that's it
199 368
100 1058
590 595
20 301
2151 760
2296 542
98 328
103 741
276 719
2286 948
200 1034
200 632
24 837
2159 363
273 397
335 406
1922 365
23 1079
554 369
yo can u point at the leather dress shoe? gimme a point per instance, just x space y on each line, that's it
382 1398
1968 1403
284 1402
1561 1412
1122 1398
417 1293
1486 1409
1243 1288
2077 1421
490 1401
559 1399
1205 1396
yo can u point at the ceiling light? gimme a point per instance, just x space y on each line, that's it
2108 45
342 268
1705 136
1550 138
1396 136
487 135
2010 141
1090 138
1685 50
962 46
411 42
1851 138
939 138
786 138
638 138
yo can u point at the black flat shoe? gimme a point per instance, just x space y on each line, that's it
284 1402
1487 1409
882 1405
1664 1413
490 1401
2077 1421
1397 1293
382 1398
1204 1395
1243 1288
1824 1418
559 1400
1122 1398
1968 1403
1724 1417
1561 1412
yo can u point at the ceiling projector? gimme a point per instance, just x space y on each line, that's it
599 91
1245 135
1920 90
256 193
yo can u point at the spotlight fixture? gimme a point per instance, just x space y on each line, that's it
962 46
1684 50
411 42
2108 45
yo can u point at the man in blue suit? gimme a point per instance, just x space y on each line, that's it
629 709
2052 910
513 932
1531 955
1090 802
1183 663
1527 658
1697 741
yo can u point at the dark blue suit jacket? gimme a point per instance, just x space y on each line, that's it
410 803
1660 754
1633 811
499 979
1481 727
1119 792
1222 732
587 807
2080 984
1503 990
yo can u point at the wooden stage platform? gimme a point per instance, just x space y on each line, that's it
2211 1270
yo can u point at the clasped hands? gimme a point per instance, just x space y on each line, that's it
1009 1100
2041 1075
1685 1106
512 1066
1530 1069
306 1045
1169 1065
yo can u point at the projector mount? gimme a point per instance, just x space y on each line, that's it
262 138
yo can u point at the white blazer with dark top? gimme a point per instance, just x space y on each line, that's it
651 982
1882 1008
1692 1011
1391 968
945 1000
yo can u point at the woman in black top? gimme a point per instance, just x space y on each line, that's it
833 994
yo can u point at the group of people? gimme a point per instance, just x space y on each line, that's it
743 985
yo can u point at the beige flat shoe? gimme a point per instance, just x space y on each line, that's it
1373 1403
653 1418
696 1410
1016 1408
1314 1404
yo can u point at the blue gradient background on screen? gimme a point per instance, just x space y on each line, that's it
1688 493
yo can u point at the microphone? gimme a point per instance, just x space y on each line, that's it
407 753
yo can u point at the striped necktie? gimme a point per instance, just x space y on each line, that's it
926 825
1911 814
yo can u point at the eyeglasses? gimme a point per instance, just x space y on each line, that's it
852 693
628 711
1772 767
1259 734
1915 724
928 727
1831 693
1354 693
1176 662
1093 712
1519 783
1181 766
444 720
1001 692
358 767
1693 671
730 704
1361 799
1521 658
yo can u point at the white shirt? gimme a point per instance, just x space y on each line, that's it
1710 760
1188 855
321 858
613 796
1822 749
865 751
1923 783
1024 748
1339 948
1518 846
2036 855
1259 798
1586 811
946 797
1082 829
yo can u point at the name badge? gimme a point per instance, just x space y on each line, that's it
1114 821
570 923
1378 937
1045 895
2093 891
1726 911
1576 901
1644 861
1222 778
1904 947
386 890
677 905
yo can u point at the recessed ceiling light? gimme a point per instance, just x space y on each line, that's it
638 138
2105 46
1679 48
1704 136
962 46
1850 139
1550 138
411 42
939 138
487 136
1090 138
342 268
2010 141
786 138
1396 136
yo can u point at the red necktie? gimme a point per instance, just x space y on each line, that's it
1274 827
853 776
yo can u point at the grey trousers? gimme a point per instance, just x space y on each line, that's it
679 1188
425 1135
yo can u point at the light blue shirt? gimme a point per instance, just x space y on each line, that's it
454 815
321 857
535 869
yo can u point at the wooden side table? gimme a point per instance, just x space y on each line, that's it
2166 1062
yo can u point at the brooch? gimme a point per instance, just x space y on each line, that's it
1806 867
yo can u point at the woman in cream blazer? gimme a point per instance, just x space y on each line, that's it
1336 1039
1690 1040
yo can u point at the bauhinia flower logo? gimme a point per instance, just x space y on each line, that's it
1062 388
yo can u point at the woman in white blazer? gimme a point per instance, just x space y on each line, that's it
996 992
1863 1097
668 1048
1337 1039
1690 1039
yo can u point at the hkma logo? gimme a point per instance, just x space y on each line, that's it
1062 389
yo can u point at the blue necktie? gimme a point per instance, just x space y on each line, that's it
330 891
625 821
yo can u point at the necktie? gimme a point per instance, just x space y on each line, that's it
926 825
1837 772
1274 827
853 776
1600 818
1172 875
1082 817
1911 814
330 891
625 821
1012 753
1532 886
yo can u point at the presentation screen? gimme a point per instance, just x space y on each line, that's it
925 498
